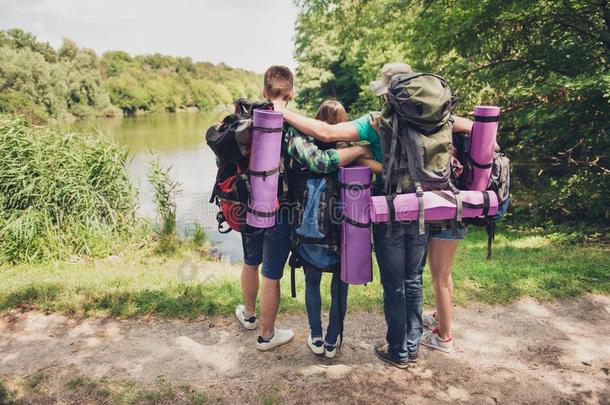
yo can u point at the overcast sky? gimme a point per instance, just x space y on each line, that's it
252 34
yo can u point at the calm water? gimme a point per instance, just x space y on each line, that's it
177 140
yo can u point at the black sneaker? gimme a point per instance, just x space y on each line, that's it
413 357
381 351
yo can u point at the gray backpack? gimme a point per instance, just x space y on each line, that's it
416 137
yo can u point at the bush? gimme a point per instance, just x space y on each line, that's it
61 194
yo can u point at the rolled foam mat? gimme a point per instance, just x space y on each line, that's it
356 264
482 141
264 167
438 206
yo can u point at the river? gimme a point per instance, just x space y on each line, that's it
178 141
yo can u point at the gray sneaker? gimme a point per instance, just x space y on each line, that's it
432 339
430 321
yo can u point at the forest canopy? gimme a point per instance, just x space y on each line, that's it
44 83
545 62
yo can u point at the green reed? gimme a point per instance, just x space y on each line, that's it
61 193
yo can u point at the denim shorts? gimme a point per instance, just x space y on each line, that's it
450 234
269 246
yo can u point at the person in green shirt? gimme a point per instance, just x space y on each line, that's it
364 128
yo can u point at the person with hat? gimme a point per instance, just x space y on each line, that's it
401 254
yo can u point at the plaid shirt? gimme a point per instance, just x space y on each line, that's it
302 148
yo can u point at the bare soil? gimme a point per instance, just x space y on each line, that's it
526 352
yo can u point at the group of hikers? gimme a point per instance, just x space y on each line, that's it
321 146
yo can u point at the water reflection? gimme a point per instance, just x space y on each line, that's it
177 140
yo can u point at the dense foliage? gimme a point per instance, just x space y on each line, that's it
71 82
545 62
60 194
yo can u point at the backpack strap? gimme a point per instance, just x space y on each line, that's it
490 227
485 203
267 130
480 165
420 208
480 118
356 223
391 213
341 311
294 262
402 166
264 173
392 156
458 203
263 214
391 209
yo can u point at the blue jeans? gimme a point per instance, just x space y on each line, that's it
269 246
401 255
313 303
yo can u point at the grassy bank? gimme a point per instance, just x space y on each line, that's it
186 285
61 194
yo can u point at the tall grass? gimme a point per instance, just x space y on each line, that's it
165 192
61 194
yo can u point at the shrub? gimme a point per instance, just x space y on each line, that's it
61 193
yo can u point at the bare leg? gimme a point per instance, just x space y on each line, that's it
249 287
270 302
440 255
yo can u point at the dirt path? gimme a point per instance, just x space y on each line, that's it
525 352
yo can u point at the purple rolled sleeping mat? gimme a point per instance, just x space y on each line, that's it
481 145
356 259
438 206
264 167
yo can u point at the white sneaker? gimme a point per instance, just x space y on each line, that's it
316 345
430 321
240 314
432 339
280 337
331 350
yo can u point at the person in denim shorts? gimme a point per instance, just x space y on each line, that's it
441 252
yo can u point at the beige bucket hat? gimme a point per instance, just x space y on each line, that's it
380 87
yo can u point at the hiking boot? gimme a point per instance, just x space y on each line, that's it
240 314
331 350
430 321
413 358
381 351
316 344
280 337
432 339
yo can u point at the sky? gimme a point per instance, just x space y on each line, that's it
252 34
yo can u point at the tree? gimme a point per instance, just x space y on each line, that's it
546 63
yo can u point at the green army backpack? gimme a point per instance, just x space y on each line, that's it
416 136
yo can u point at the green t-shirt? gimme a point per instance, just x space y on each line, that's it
367 133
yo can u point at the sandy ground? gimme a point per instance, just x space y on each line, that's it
526 352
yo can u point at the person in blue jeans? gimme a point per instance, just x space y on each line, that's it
401 252
401 255
332 112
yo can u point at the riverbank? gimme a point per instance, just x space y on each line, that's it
188 284
525 352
